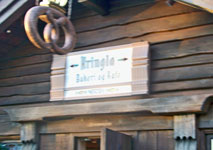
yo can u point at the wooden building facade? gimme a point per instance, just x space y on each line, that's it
177 113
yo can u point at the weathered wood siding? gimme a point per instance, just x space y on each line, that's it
181 53
180 38
25 75
147 140
148 132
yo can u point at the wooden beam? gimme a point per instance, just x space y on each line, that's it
99 6
168 105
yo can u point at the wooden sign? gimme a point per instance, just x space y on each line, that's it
106 72
204 4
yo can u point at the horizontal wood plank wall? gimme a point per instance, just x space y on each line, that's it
147 140
206 120
181 49
180 38
25 75
7 128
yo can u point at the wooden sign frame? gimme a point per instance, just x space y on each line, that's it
139 73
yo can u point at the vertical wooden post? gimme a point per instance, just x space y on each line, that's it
29 136
185 132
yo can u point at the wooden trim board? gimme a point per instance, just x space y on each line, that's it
168 105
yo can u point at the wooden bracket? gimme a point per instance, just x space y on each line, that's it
29 136
99 6
185 132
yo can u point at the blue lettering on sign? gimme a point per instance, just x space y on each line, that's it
97 63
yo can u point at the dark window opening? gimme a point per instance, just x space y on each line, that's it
87 143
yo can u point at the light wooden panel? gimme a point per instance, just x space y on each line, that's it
185 132
58 77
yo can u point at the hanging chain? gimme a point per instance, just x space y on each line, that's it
69 10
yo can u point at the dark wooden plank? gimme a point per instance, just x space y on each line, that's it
64 142
25 80
26 70
26 49
147 140
206 120
24 99
137 13
4 49
79 11
168 105
180 34
114 122
101 6
112 140
28 89
184 48
118 4
48 142
201 142
7 127
162 37
26 61
165 140
183 61
184 92
182 85
182 73
143 27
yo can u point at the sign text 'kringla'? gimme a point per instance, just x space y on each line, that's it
90 63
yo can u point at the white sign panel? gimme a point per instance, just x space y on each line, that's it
106 72
99 68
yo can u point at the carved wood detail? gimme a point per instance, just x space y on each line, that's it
29 136
185 132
